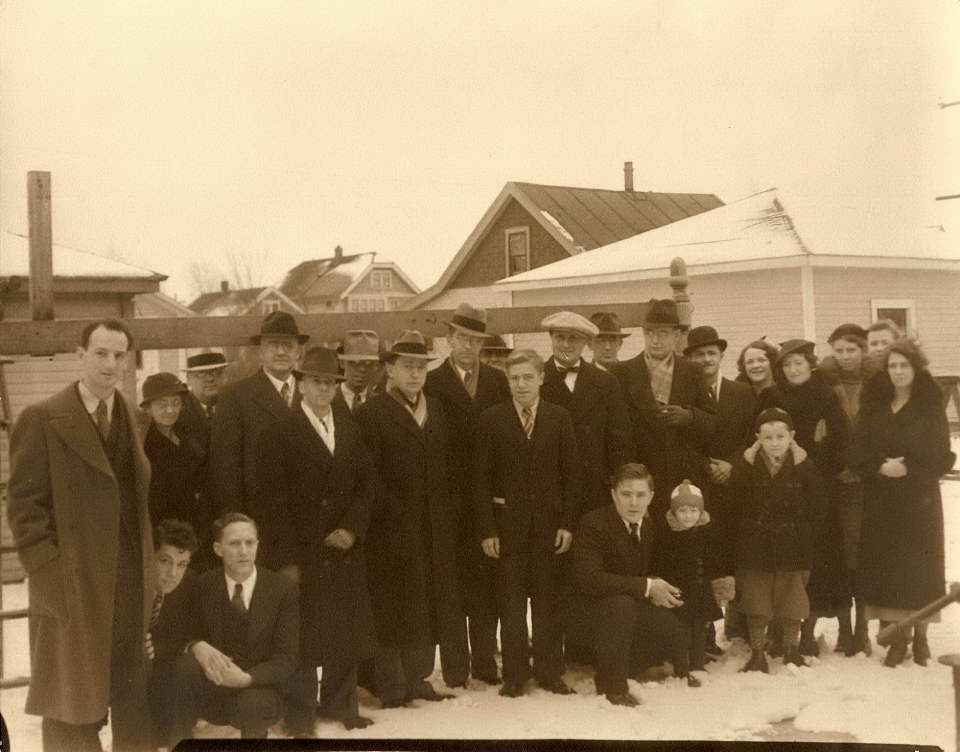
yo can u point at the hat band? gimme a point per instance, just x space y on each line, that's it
409 348
468 323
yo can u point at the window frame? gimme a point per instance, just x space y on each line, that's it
507 233
909 305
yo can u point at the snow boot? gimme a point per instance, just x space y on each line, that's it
896 652
775 640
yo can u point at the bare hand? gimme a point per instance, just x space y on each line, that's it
340 538
820 432
663 594
893 467
720 470
674 415
236 678
214 663
562 541
291 572
491 547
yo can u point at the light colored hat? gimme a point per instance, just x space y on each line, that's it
686 494
568 321
470 320
411 344
360 344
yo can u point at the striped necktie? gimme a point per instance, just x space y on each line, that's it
527 414
285 393
155 612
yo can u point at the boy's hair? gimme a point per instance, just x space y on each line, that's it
176 533
525 356
632 471
888 325
114 325
228 519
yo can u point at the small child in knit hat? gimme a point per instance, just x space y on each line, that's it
689 557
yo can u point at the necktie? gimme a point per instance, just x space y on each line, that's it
103 420
713 392
285 393
527 414
564 370
357 400
635 533
155 612
467 375
237 599
209 411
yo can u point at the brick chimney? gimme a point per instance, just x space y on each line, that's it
224 286
338 252
628 176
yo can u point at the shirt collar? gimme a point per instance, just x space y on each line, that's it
716 386
326 421
519 408
348 392
90 400
247 585
278 384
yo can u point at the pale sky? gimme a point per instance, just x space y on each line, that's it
178 131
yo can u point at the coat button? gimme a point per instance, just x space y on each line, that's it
323 502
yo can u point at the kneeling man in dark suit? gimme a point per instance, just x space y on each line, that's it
629 610
245 639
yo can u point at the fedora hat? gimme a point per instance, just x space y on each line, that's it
319 362
608 324
279 324
360 344
160 385
207 361
661 313
496 343
470 320
411 344
701 336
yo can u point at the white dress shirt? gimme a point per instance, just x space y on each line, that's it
350 396
323 426
91 401
278 385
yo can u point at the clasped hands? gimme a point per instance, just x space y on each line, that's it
893 467
220 668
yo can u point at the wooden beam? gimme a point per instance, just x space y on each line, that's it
30 337
41 246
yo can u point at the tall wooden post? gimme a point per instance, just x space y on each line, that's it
678 283
41 246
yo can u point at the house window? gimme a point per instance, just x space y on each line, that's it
517 242
395 303
900 311
381 280
270 305
380 304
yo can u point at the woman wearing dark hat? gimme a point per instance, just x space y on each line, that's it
901 447
755 366
176 461
822 431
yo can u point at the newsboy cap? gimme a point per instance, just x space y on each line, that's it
568 321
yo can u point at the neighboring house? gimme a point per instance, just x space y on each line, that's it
244 301
758 266
157 305
529 226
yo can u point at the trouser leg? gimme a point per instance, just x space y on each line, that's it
545 618
615 629
757 630
338 691
188 684
511 580
417 665
699 635
791 631
58 736
301 705
129 710
388 675
257 709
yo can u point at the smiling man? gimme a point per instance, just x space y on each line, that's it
78 511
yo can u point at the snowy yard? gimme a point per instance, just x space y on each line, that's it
836 699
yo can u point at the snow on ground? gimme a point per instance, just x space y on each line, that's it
836 699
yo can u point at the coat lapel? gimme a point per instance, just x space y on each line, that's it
307 436
641 393
402 417
259 608
269 398
451 385
70 420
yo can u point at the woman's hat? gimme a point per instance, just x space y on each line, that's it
320 362
279 324
792 346
411 344
160 385
701 336
853 332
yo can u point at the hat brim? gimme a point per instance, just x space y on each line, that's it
719 341
358 358
471 332
569 330
301 338
211 367
299 374
166 393
621 335
389 357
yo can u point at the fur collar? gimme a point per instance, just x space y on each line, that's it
675 525
798 452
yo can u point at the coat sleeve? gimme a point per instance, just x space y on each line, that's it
279 667
931 458
706 421
226 453
29 492
570 468
279 530
483 469
588 570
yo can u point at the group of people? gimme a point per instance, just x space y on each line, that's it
253 552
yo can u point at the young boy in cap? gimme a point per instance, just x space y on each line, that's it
780 508
689 555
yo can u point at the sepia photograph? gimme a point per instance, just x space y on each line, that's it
585 372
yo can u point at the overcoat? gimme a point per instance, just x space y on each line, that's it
411 543
901 548
176 477
736 410
601 423
316 493
194 428
690 560
63 507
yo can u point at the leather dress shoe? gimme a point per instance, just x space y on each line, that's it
921 650
356 722
626 700
491 679
512 689
757 662
794 657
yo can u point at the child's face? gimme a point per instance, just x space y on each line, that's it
632 497
687 515
775 438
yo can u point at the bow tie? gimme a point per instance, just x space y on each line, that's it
564 370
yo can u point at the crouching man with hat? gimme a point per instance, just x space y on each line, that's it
412 539
318 472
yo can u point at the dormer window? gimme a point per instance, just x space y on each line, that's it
517 241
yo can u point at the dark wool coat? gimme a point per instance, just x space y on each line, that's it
736 410
536 479
314 494
175 479
411 543
777 518
244 409
63 507
901 549
194 427
605 561
172 631
690 560
600 422
671 454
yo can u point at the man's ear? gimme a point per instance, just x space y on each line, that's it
218 548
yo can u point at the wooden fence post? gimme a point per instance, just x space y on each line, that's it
41 246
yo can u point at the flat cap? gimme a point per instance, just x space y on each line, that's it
568 321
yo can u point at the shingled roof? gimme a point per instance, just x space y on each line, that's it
224 302
325 277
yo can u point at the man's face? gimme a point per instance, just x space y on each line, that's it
104 360
525 381
879 340
632 497
494 359
278 355
660 341
464 348
358 373
408 375
205 385
606 348
318 392
775 438
848 354
709 357
237 548
567 346
171 564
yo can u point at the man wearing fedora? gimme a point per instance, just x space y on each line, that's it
317 469
245 408
360 359
466 388
412 539
670 408
608 340
494 352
